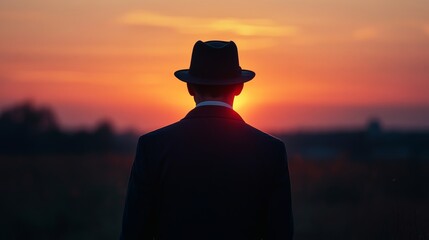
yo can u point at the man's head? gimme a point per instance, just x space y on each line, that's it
214 73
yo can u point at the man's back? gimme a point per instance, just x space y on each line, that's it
209 176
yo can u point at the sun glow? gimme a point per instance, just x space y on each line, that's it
239 103
116 61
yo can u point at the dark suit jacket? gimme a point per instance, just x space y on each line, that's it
208 176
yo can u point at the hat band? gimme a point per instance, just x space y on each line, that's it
215 73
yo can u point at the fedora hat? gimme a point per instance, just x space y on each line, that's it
214 63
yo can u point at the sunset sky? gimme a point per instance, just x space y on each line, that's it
319 64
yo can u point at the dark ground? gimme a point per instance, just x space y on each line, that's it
81 197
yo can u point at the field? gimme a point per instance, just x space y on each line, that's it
81 197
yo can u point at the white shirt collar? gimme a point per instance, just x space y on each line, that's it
214 103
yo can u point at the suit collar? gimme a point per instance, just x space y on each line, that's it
213 112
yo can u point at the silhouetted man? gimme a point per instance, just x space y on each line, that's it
210 175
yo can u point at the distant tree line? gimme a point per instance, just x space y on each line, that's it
27 129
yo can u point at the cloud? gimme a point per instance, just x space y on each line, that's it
20 15
426 29
189 25
365 33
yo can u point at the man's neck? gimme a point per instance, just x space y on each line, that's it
229 101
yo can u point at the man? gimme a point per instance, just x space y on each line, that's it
210 175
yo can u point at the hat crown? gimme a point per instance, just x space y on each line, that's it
215 60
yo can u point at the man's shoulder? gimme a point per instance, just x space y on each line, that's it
160 131
268 137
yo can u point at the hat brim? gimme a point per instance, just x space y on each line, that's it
183 75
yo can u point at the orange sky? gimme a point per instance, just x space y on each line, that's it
318 64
